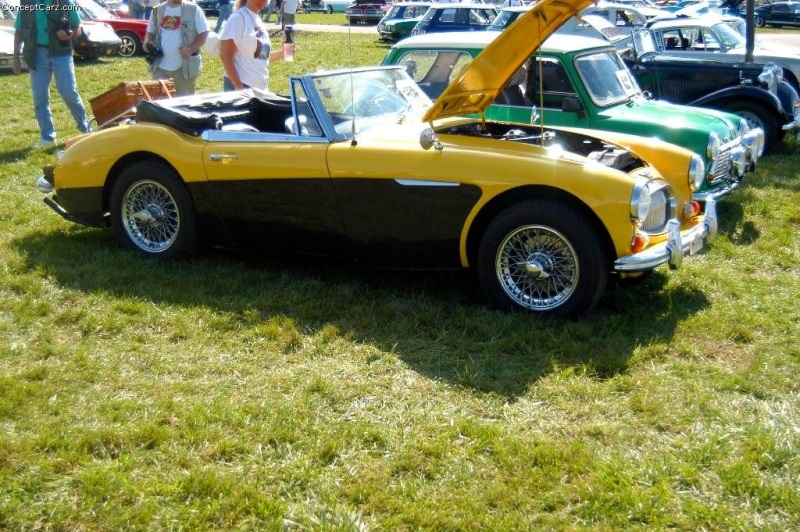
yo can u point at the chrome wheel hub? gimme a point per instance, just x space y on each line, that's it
150 216
537 267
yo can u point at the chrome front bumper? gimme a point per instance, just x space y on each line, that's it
676 246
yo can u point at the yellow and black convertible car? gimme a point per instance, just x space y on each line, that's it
360 164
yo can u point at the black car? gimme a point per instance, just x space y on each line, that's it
456 17
778 14
209 7
753 91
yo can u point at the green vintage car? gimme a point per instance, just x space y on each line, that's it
401 19
576 81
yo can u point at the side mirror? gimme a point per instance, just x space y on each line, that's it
428 140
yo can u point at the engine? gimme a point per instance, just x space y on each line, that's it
590 147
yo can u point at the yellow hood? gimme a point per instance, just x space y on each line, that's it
477 87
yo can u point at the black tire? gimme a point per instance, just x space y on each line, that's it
131 44
545 257
152 211
759 22
757 116
329 10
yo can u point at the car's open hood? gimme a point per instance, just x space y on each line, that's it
477 87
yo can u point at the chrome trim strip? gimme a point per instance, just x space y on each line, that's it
425 183
239 136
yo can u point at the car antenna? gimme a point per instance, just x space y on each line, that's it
353 141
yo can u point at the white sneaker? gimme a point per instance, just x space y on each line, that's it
44 143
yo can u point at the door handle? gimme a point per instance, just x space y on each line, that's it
222 156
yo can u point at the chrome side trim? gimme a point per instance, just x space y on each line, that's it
425 183
239 136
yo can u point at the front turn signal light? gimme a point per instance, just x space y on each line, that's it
640 241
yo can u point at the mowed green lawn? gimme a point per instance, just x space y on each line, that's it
239 392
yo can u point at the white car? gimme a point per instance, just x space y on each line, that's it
7 48
711 38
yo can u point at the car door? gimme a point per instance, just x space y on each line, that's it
404 206
273 190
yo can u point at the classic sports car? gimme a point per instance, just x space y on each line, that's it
582 82
130 31
778 14
360 164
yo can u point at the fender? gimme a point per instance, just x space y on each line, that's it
789 98
743 92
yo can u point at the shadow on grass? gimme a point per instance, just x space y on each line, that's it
437 323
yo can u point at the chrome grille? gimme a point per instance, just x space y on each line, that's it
660 211
721 169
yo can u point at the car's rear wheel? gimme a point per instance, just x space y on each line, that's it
543 256
152 211
757 116
759 22
131 44
329 10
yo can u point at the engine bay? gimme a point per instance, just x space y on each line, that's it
587 146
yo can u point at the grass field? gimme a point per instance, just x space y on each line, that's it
231 391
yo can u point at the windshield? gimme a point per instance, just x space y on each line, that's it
93 9
369 98
504 19
729 37
606 78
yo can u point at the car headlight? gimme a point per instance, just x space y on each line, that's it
697 171
712 149
768 80
640 201
743 127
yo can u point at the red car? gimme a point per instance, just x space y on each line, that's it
131 31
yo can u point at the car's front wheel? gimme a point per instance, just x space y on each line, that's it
329 10
757 116
152 211
131 44
759 22
543 256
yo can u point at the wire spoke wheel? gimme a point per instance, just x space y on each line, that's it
537 267
152 211
150 216
543 256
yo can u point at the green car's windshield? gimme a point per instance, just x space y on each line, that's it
606 78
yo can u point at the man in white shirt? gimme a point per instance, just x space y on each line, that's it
179 29
289 8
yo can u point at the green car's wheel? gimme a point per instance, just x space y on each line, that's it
545 257
152 211
756 116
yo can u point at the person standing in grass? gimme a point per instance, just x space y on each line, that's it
224 13
44 37
245 48
179 28
289 8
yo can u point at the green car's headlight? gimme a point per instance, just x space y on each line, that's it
697 171
713 147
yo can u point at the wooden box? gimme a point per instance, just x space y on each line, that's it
120 102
